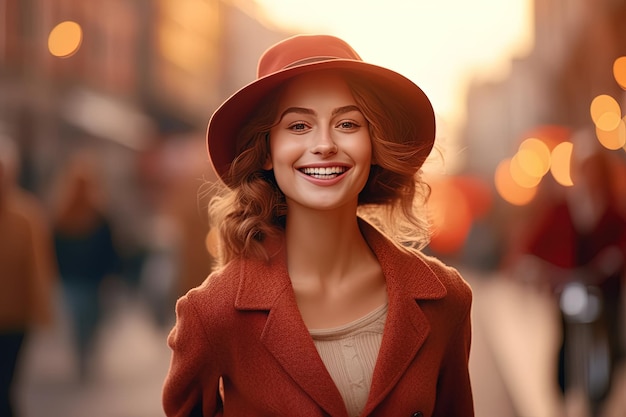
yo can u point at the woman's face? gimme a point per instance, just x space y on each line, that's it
320 148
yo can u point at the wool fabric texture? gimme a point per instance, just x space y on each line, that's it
243 324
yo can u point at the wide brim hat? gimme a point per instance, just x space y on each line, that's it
302 54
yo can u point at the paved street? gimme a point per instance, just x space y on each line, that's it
130 364
514 353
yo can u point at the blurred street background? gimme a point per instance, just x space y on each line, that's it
104 184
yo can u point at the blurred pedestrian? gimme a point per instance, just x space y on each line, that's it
27 271
578 247
176 259
314 310
85 250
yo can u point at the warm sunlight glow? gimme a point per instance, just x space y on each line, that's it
561 163
183 31
211 242
510 190
440 45
65 39
190 15
619 71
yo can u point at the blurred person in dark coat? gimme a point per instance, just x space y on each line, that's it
27 271
578 247
85 250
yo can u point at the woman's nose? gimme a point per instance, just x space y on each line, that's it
324 143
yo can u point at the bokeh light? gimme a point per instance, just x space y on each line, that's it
551 135
455 203
521 175
619 71
613 139
477 193
65 39
605 112
451 217
534 157
608 122
508 188
561 163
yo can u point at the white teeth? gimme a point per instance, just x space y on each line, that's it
324 172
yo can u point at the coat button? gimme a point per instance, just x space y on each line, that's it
418 414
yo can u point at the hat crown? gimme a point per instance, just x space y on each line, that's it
301 50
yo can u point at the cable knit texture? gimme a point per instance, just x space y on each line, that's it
349 353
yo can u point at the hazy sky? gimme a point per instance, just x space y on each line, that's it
438 44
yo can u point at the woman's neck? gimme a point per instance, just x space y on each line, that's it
324 245
335 275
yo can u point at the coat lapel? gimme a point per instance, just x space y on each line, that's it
268 287
408 279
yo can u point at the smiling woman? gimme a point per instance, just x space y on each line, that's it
316 309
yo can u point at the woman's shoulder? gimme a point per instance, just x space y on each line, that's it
449 276
423 265
220 284
210 305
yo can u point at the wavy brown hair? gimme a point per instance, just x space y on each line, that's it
249 207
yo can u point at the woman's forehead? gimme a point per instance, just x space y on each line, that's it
316 87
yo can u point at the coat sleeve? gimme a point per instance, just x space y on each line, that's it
454 392
191 385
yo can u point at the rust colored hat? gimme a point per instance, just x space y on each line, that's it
302 54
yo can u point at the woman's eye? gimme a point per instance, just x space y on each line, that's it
348 125
298 127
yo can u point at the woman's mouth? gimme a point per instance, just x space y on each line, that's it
324 173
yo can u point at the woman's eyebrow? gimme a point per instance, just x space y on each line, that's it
299 110
304 110
345 109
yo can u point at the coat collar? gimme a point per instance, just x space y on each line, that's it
266 286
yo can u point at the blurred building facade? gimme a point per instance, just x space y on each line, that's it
180 57
149 71
575 45
146 73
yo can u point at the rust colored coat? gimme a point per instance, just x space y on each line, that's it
243 324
